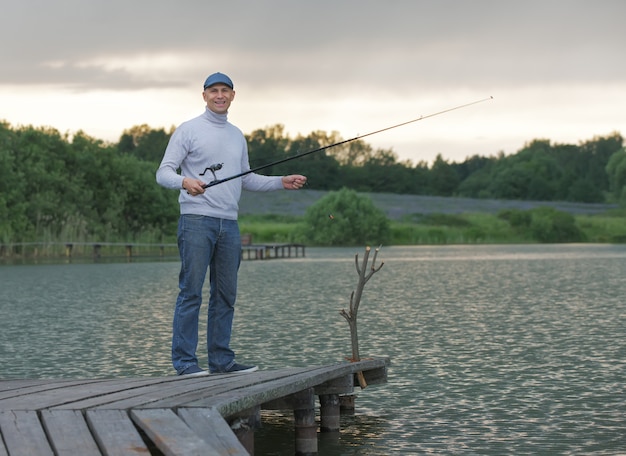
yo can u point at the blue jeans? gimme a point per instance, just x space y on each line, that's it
206 242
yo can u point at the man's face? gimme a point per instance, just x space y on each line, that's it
218 98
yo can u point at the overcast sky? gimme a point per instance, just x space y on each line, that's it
556 69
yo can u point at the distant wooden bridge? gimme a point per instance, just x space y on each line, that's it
249 251
177 415
270 251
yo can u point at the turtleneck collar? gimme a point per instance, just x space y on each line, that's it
220 119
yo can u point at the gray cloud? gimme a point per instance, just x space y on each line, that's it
406 43
555 67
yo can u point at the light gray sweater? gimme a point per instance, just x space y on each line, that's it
203 141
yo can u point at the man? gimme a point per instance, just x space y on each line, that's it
208 233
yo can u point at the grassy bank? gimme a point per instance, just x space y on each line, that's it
417 220
435 229
278 217
432 229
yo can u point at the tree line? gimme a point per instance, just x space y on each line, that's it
55 186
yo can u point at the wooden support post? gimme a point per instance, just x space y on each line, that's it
304 421
129 251
244 425
68 250
328 393
329 413
96 250
347 404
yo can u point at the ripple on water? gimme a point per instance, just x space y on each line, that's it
495 349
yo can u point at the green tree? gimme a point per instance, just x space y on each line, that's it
416 178
345 218
444 180
530 174
144 142
597 154
42 154
266 146
584 191
473 165
355 153
476 185
510 182
144 206
376 172
321 168
12 203
616 171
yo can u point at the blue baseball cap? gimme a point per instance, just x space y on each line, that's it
218 78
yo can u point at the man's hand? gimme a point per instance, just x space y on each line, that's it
293 182
193 186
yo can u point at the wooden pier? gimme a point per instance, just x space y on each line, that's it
251 251
186 415
129 250
270 251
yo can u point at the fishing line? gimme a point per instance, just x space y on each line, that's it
303 154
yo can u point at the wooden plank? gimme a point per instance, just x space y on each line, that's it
68 433
115 433
210 426
183 390
376 376
164 391
339 385
116 399
170 434
148 396
7 385
231 402
66 395
23 434
22 388
110 395
220 383
63 393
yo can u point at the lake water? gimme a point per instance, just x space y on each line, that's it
495 349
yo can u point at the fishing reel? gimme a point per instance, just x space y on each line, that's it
214 167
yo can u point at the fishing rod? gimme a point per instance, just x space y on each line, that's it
218 166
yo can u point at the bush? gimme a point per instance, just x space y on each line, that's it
516 218
344 218
544 224
549 225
